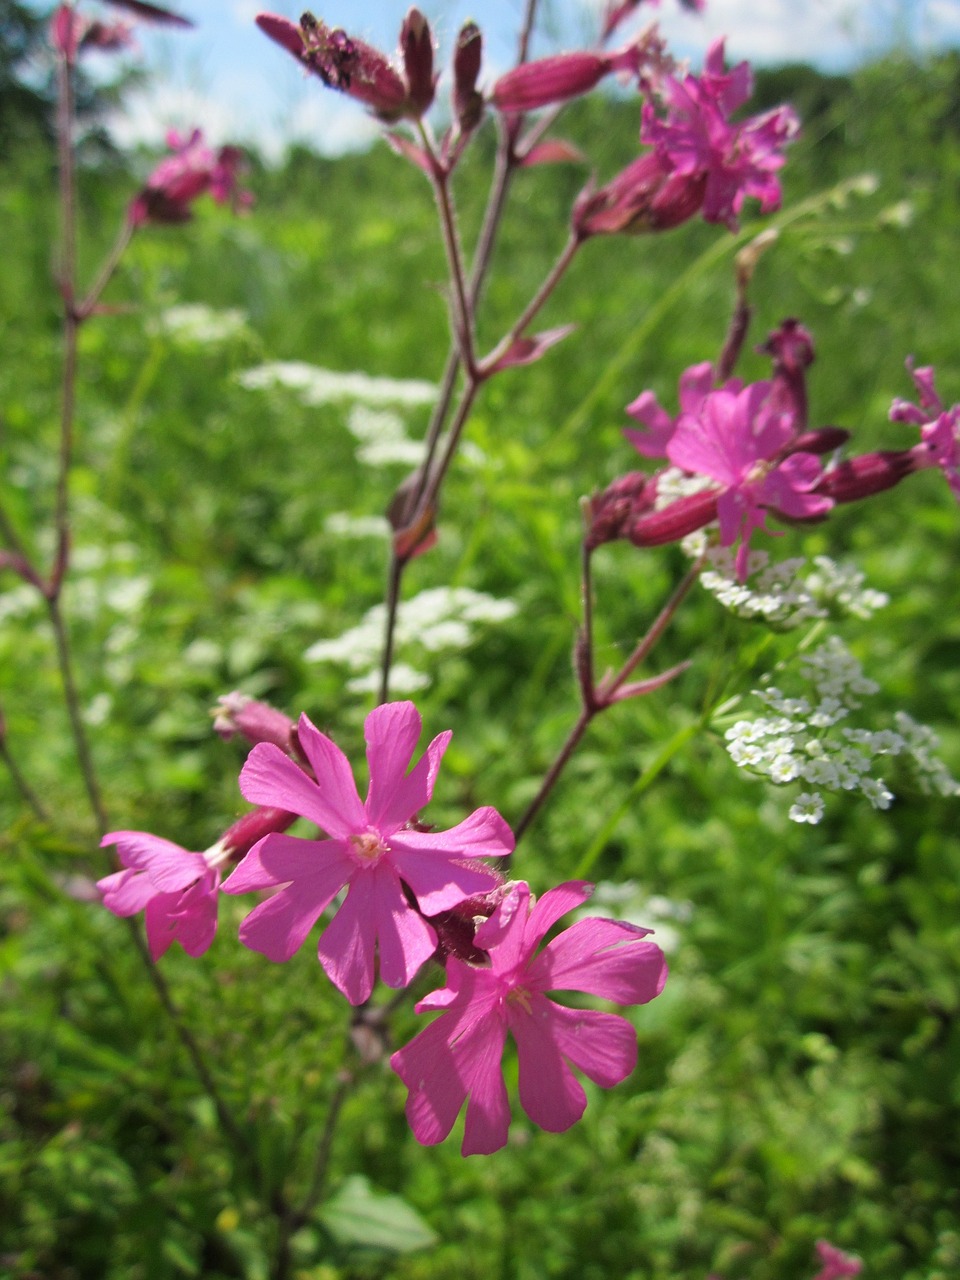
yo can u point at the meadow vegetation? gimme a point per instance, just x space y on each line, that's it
799 1076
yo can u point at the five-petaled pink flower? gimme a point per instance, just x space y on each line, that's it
176 890
939 426
697 140
460 1053
375 849
739 440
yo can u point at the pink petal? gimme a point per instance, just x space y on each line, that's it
601 1045
334 777
347 944
277 927
126 892
404 939
488 1110
271 778
607 958
484 834
504 934
278 859
554 904
197 916
696 383
439 882
550 1093
160 921
430 1071
395 796
169 866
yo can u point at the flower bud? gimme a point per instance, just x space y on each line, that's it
256 721
867 474
467 101
240 838
673 522
416 45
610 514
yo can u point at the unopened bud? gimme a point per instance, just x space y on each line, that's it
467 101
240 838
867 474
610 514
675 521
256 721
416 45
455 928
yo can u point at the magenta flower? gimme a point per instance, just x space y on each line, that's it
374 850
741 442
177 890
836 1263
939 427
697 141
180 179
459 1054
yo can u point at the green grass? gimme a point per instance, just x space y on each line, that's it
799 1076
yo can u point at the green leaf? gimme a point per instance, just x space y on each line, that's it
358 1214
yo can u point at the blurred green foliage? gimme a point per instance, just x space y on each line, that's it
799 1077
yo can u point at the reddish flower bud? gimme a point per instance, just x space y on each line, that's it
467 101
610 514
256 721
563 76
240 838
791 348
107 37
455 928
416 45
868 473
675 521
821 440
646 196
66 28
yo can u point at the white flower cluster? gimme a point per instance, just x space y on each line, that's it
382 437
673 483
810 740
195 324
436 619
314 385
781 593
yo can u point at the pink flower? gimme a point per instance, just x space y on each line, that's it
836 1263
177 890
741 442
939 427
183 177
697 141
460 1053
375 850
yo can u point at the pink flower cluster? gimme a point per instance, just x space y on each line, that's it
190 172
700 161
749 453
409 893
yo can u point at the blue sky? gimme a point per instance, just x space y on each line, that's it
227 77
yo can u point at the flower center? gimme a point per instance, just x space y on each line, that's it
367 847
520 996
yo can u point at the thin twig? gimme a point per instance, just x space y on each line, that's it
536 303
72 700
397 566
21 783
660 624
